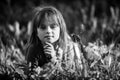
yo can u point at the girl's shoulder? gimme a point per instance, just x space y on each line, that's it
75 45
74 41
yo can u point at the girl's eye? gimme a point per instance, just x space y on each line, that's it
43 27
53 26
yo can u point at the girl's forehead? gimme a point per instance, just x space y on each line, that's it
50 19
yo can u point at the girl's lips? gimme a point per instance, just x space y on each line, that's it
48 36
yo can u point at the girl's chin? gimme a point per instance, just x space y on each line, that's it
49 41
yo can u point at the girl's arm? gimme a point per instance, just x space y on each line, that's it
36 56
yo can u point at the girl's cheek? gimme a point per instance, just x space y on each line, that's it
41 36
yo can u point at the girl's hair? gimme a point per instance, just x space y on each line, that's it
39 14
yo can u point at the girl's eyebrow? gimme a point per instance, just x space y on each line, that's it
54 24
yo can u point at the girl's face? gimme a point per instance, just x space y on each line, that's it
49 30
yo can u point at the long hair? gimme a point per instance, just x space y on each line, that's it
39 13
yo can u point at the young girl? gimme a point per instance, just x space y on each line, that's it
50 46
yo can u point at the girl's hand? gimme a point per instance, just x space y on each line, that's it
49 51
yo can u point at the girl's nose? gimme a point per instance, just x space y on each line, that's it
48 30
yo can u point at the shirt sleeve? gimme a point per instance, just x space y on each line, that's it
35 56
73 59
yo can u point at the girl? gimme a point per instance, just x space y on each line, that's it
50 45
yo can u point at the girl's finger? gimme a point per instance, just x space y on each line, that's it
45 47
48 51
49 44
48 48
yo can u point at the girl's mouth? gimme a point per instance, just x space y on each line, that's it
48 36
